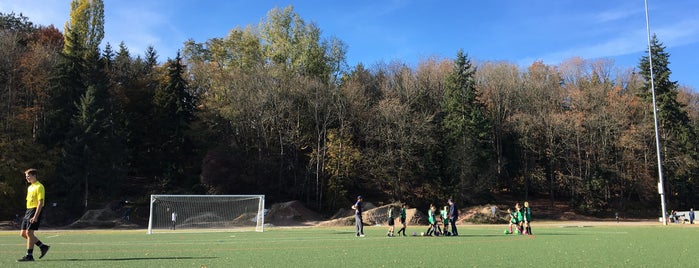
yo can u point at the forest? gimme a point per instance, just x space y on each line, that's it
274 109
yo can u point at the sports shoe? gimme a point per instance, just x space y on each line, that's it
44 249
361 235
26 258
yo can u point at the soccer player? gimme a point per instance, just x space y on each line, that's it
359 226
431 219
520 217
453 216
527 215
33 216
402 217
513 220
391 223
174 219
445 220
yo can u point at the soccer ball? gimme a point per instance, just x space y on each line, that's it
507 232
414 234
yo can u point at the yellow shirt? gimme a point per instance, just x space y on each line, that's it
35 192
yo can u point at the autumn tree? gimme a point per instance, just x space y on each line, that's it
86 28
499 83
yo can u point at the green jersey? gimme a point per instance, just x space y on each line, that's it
402 213
527 213
443 214
430 216
513 217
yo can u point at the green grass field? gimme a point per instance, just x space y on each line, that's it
554 245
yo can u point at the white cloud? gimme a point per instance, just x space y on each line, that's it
137 25
614 15
679 33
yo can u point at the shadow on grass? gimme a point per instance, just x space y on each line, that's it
135 259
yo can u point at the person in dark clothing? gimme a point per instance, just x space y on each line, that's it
453 215
359 226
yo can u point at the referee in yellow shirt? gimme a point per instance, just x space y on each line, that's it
32 218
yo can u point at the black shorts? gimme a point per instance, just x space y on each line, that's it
402 221
391 222
26 225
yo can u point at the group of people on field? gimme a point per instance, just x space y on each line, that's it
521 219
449 214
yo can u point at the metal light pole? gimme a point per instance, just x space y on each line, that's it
661 187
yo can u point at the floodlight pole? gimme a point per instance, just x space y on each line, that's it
661 187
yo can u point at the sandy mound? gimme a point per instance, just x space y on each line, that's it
99 218
374 216
348 212
291 213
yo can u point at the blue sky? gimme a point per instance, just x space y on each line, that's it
516 31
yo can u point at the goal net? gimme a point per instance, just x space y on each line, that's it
206 212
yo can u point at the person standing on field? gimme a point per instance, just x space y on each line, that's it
391 222
527 216
32 218
691 216
453 217
445 220
174 219
359 226
402 217
431 220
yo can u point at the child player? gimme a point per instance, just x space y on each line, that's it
391 223
527 215
431 219
512 220
445 220
402 217
520 217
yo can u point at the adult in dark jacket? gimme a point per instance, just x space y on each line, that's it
453 216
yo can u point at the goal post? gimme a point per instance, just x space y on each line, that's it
198 213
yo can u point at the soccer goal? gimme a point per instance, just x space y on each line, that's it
206 213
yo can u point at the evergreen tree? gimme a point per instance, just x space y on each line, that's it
466 129
66 87
677 136
94 151
174 111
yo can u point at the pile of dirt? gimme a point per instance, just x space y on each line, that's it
8 225
100 218
347 212
290 214
373 215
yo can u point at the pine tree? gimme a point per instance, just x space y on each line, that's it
677 136
466 128
174 111
94 150
66 87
